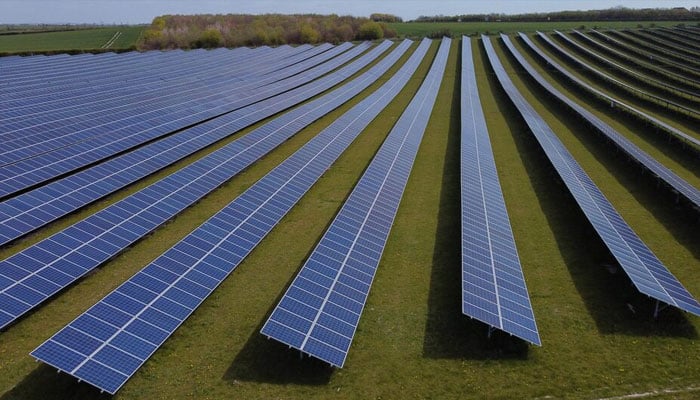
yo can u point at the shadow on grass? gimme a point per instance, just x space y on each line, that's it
680 218
264 360
45 383
615 305
449 333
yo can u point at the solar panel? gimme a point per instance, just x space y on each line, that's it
620 83
36 170
655 58
320 311
677 133
119 333
649 163
61 127
88 243
31 210
493 285
634 72
645 270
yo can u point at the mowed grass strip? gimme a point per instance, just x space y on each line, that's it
83 39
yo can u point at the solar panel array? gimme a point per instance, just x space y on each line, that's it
645 270
32 275
61 128
620 83
647 47
109 342
633 72
31 210
320 311
671 65
493 285
649 163
35 170
677 133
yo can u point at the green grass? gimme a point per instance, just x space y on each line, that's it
422 29
412 341
78 40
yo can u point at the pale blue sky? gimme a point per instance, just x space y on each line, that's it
143 11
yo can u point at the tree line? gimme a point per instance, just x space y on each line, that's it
611 14
234 30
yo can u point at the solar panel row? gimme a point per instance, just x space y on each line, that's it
635 72
41 270
648 162
36 170
595 55
108 343
646 46
493 285
123 114
668 36
33 209
645 270
658 39
321 309
670 65
677 133
51 103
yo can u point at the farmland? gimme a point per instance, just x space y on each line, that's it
67 41
599 338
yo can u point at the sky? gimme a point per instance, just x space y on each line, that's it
143 11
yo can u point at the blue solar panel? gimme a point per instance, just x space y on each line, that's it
679 134
645 270
26 212
85 245
635 72
136 318
33 171
649 163
320 311
631 88
59 127
675 72
493 286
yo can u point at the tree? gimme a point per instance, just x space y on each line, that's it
210 38
307 34
370 31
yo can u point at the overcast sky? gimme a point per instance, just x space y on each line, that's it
143 11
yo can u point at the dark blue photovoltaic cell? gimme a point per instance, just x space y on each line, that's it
88 243
320 311
676 182
33 171
32 210
181 278
493 285
645 270
655 121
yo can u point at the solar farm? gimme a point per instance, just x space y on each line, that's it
511 216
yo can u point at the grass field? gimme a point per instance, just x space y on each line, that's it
413 341
422 29
78 40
